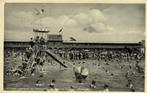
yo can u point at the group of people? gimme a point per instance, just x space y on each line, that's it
33 62
100 54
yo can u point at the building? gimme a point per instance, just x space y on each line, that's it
55 41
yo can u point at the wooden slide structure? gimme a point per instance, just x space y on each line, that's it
66 64
60 60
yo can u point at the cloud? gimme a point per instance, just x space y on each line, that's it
89 25
19 20
131 17
91 21
90 16
89 29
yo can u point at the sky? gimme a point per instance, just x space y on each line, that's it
86 22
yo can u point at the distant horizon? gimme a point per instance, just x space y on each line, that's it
68 41
27 40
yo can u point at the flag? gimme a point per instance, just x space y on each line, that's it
72 39
42 10
39 12
61 30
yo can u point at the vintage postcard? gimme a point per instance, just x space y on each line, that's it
74 47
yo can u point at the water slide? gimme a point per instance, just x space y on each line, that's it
66 63
60 60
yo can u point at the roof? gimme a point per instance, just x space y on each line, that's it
113 43
54 37
92 43
17 41
41 30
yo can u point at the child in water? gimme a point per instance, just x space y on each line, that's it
52 85
93 84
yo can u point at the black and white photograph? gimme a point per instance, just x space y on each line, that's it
74 47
